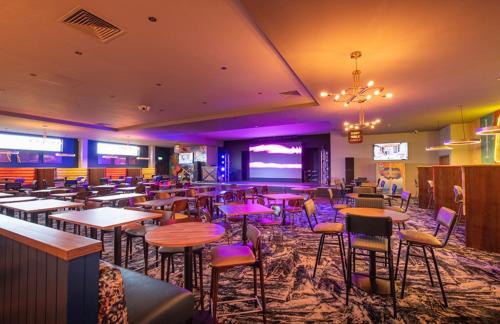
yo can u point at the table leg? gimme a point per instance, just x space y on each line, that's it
373 270
188 268
283 212
244 230
118 245
93 233
34 217
146 256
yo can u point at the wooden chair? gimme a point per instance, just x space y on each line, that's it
459 200
430 191
294 208
225 257
415 239
336 207
162 195
324 229
369 202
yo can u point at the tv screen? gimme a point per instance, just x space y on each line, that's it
185 158
276 161
390 151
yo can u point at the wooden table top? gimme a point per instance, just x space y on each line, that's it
61 244
126 188
65 194
16 199
376 212
106 186
173 190
282 196
104 217
162 202
369 184
41 205
116 197
3 195
184 234
303 189
356 195
245 209
50 190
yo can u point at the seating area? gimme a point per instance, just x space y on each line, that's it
249 161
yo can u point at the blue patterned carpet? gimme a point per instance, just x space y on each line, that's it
471 279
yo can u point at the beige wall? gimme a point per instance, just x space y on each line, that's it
364 165
465 154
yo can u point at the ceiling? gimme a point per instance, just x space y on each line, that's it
214 70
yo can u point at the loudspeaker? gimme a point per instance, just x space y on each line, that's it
349 169
245 165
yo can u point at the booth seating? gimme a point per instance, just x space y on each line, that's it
64 270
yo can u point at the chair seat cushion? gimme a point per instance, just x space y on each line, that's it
140 230
164 249
340 206
419 237
232 255
370 243
328 228
154 301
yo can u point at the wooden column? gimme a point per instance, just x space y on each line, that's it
424 174
481 184
48 174
445 177
94 175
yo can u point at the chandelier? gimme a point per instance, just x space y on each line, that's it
357 93
362 123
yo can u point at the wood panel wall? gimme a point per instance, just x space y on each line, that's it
134 172
28 174
48 174
115 173
424 174
94 175
481 184
445 177
148 173
71 173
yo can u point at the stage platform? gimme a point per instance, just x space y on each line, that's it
273 186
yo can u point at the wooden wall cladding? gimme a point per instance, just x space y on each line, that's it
424 174
71 173
48 174
148 173
94 175
482 200
115 173
445 177
28 174
135 172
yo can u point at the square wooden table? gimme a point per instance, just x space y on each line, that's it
103 219
7 200
245 210
161 203
35 207
171 191
3 195
115 198
65 195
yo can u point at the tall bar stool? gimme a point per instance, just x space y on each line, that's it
336 207
459 200
225 257
324 229
430 191
372 234
445 217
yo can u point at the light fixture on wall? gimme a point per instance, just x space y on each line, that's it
464 140
362 123
357 93
66 154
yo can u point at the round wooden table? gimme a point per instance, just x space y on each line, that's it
356 195
185 235
397 217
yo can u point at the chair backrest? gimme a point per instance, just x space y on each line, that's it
370 195
201 202
369 202
103 181
405 200
240 195
136 200
330 194
372 226
295 202
381 183
253 191
162 195
310 209
89 204
448 218
394 188
180 206
228 196
260 200
363 190
254 236
191 192
264 190
140 188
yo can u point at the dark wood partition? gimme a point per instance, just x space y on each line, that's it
482 204
46 275
445 177
424 174
48 174
94 175
134 172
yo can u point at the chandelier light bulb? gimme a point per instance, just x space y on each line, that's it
342 92
376 92
389 95
370 83
372 126
346 104
323 94
377 121
356 127
346 123
346 129
368 97
337 97
351 126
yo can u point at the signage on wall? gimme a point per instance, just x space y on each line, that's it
355 136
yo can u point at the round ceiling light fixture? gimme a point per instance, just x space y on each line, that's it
152 19
144 108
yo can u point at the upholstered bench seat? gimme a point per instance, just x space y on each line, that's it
154 301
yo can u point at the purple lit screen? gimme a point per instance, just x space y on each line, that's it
276 161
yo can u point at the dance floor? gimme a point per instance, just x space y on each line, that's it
471 279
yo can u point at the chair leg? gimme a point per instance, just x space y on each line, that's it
348 281
146 254
262 293
172 260
318 255
214 295
169 260
405 270
127 248
393 286
202 296
428 266
341 248
353 260
439 277
162 266
255 285
194 271
397 260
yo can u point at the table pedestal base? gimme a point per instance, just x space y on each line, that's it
372 286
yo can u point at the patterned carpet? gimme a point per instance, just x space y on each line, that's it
471 279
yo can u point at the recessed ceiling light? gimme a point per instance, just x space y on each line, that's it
259 92
78 53
112 96
152 19
204 102
162 109
159 84
144 108
33 74
223 68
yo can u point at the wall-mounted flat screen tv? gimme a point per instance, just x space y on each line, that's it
185 158
390 151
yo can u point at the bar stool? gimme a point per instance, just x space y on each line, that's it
430 191
445 217
372 234
459 200
324 229
336 207
225 257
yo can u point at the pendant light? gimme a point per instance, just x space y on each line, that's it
464 140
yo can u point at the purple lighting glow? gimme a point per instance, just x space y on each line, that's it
276 149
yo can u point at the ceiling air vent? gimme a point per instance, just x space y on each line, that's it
290 93
90 24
